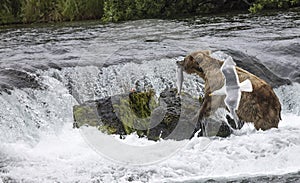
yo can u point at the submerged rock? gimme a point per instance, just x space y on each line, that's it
166 117
13 78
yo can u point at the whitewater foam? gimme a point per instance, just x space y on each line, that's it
68 158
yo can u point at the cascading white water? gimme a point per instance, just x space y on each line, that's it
290 98
25 113
28 112
90 83
37 134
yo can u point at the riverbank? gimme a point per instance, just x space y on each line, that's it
36 11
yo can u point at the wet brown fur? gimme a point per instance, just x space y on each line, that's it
261 106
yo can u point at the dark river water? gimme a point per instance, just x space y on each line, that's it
45 69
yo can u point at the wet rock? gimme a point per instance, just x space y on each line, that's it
171 116
254 66
12 78
168 117
54 66
99 113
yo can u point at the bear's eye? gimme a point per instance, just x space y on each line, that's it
199 69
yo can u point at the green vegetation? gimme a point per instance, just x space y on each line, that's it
28 11
115 11
260 5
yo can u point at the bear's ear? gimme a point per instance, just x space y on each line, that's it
199 58
206 52
190 57
220 62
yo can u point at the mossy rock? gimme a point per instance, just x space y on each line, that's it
134 111
166 117
86 114
99 114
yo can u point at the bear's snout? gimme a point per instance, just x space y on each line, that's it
179 63
189 66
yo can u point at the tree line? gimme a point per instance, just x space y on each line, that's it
30 11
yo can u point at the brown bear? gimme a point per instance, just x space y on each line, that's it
261 106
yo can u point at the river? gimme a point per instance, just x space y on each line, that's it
46 69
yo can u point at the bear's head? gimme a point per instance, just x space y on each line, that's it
198 63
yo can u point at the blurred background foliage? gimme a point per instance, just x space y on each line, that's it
30 11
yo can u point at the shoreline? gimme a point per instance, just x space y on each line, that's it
21 12
101 22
